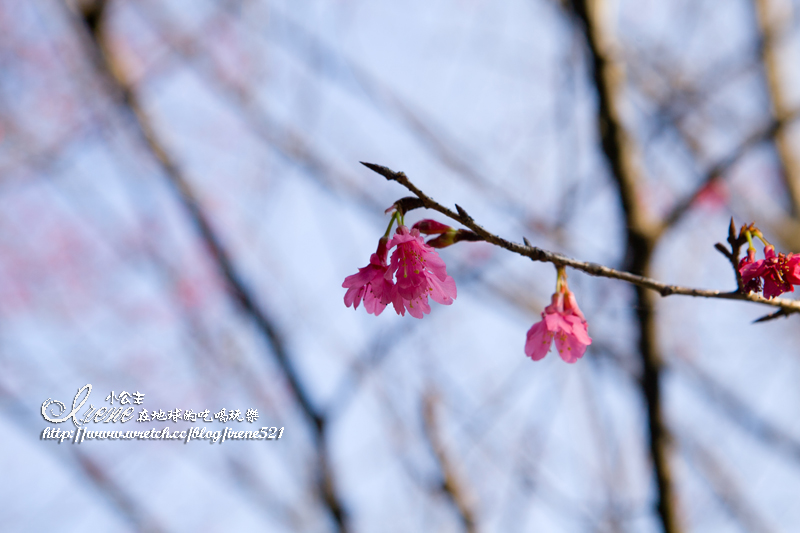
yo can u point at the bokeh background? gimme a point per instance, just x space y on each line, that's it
181 198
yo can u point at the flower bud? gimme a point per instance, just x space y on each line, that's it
432 227
444 240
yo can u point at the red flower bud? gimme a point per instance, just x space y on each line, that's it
431 227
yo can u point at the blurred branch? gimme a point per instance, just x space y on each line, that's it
724 487
676 97
617 144
681 101
92 15
718 169
334 66
291 144
593 269
787 228
607 73
771 25
739 412
287 141
114 493
245 475
452 486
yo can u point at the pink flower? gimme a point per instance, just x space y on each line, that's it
563 321
370 283
776 273
779 272
792 270
419 272
750 275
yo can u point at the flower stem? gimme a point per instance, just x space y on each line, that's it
749 241
391 223
561 280
758 234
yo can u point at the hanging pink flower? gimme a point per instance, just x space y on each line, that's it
563 322
419 272
370 283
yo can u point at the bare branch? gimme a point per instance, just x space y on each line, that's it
452 486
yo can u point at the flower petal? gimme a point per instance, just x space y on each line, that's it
538 341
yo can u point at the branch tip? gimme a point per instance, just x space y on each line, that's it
387 173
463 213
772 316
724 251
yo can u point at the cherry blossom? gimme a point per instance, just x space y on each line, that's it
750 276
792 269
778 271
419 272
563 322
371 283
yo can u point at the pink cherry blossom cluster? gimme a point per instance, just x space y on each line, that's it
778 272
563 322
414 273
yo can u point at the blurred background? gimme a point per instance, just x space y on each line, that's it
181 198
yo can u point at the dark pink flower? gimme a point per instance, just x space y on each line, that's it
779 272
370 283
419 272
792 270
750 275
563 322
